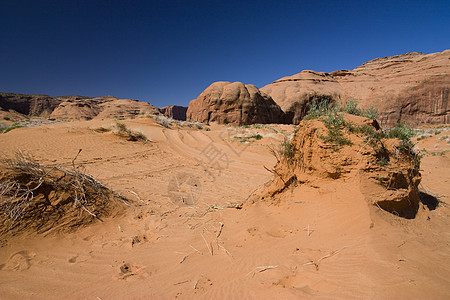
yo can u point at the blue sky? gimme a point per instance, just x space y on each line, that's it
168 52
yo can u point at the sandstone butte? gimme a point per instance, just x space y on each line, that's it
413 87
234 103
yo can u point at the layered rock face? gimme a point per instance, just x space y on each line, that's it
413 87
234 103
75 107
102 107
32 105
175 112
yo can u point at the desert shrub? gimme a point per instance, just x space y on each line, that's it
256 136
371 112
41 198
245 139
9 128
366 130
333 121
287 149
351 107
132 135
400 131
163 120
6 118
319 109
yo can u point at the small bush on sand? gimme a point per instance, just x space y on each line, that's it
400 131
42 198
163 121
132 135
351 107
333 121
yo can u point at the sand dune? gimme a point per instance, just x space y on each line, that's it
321 241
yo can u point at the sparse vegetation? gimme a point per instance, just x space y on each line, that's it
163 121
40 197
131 135
287 149
333 121
5 129
351 107
400 131
245 139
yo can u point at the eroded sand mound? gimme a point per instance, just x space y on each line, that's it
388 169
36 198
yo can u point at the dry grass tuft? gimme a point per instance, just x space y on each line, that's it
132 135
41 198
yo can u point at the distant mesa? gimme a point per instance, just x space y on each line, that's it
176 112
234 103
84 108
32 105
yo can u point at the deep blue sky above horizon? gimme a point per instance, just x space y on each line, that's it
168 52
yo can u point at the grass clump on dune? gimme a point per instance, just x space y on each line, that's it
39 198
131 135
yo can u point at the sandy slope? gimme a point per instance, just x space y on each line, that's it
324 242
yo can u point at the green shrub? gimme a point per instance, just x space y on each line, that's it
318 109
287 149
370 113
400 131
256 137
9 128
366 130
351 107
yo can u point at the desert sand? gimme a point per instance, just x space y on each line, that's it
205 239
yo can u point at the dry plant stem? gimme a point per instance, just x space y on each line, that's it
226 251
275 172
196 250
316 263
207 245
181 282
195 286
137 196
220 230
261 269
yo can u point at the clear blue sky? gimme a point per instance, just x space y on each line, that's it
168 52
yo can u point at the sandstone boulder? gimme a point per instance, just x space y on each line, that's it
234 103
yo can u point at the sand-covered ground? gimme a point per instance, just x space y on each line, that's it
192 233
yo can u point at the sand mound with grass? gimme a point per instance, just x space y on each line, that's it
351 147
36 198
